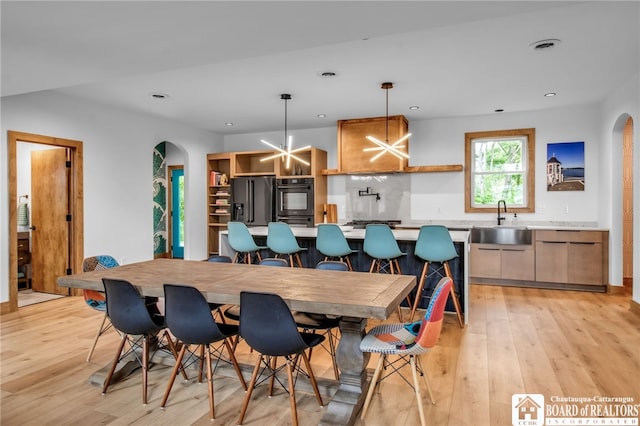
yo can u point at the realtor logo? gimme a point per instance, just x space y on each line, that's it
527 409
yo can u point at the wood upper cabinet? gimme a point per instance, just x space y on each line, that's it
258 163
352 141
572 257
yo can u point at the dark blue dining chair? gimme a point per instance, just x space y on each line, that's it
189 319
138 324
268 327
325 324
233 312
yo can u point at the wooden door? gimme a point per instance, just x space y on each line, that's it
50 228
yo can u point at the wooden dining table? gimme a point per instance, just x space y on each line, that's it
354 296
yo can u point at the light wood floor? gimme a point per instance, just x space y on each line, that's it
556 343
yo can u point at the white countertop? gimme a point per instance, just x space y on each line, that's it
560 226
358 234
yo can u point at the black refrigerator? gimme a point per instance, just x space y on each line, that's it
253 200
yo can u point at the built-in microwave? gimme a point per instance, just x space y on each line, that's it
294 199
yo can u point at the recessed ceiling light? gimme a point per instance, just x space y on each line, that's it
544 44
498 110
328 74
158 95
228 123
321 115
414 107
550 94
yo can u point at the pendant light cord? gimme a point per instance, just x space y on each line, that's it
387 120
285 97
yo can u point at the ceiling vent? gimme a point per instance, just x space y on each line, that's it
544 44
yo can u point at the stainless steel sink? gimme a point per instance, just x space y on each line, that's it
501 235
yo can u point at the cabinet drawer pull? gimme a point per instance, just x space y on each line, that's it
513 249
553 242
582 242
488 249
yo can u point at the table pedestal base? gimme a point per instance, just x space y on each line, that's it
344 407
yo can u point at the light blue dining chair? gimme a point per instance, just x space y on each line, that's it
281 241
381 245
331 242
434 245
241 241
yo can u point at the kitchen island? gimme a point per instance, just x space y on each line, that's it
409 264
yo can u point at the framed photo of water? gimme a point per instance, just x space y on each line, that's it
565 166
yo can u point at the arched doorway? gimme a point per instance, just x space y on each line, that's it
627 204
168 200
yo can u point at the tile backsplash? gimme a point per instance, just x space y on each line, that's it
395 197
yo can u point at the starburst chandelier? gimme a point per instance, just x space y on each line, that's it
383 147
288 152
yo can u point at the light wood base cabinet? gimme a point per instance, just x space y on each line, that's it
572 257
506 262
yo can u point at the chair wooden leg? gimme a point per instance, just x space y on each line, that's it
252 384
298 261
172 348
454 295
348 262
423 278
207 352
174 373
372 386
273 363
373 263
235 257
107 381
426 379
258 256
98 334
416 384
201 364
145 367
397 264
234 362
312 378
332 350
292 393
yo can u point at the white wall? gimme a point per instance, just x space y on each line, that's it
440 196
621 104
118 190
118 160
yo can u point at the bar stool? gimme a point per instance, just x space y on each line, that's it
280 240
434 245
381 245
332 243
241 241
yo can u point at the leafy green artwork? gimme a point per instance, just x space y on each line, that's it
160 225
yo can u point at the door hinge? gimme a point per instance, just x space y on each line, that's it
68 164
68 218
69 272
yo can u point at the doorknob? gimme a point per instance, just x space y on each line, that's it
33 228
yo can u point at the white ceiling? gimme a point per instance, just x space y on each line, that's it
230 61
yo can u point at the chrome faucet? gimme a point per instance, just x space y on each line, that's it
500 218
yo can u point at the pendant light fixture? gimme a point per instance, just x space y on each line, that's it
287 153
384 147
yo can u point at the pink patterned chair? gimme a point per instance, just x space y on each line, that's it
407 341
